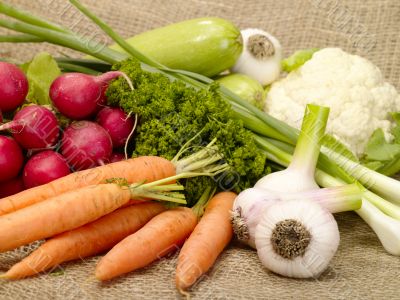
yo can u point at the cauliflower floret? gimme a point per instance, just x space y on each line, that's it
354 88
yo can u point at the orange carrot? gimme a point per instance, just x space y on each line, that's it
76 208
145 168
85 241
61 213
161 235
207 241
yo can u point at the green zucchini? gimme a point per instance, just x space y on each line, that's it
206 46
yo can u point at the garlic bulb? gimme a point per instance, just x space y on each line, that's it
247 211
261 56
296 238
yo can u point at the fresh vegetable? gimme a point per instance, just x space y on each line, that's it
34 127
85 145
11 187
78 95
245 87
165 232
206 45
41 72
118 125
250 205
355 90
261 56
207 241
44 167
85 241
11 158
170 113
297 238
297 59
300 173
76 208
14 87
386 228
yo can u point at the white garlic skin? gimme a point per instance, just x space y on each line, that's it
264 71
289 180
251 203
323 245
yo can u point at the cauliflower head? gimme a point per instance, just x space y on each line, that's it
353 87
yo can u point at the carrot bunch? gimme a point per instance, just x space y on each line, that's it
82 216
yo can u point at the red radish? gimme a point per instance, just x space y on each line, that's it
116 156
13 87
85 145
11 158
11 187
34 127
44 167
78 95
1 117
117 123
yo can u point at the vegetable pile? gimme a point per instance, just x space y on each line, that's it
131 153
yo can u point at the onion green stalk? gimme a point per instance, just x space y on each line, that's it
385 186
20 38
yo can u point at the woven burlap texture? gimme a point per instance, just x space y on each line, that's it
361 268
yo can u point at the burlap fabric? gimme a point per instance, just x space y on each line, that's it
361 268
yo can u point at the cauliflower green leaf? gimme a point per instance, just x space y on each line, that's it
297 59
381 155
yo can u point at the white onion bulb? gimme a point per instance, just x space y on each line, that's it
261 56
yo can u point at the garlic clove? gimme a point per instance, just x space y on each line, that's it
296 238
247 211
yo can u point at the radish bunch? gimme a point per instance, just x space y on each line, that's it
33 148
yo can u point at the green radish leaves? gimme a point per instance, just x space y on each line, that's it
41 72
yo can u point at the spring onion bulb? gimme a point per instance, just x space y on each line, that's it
299 176
250 205
297 238
386 228
261 56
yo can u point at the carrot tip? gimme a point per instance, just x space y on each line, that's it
3 276
184 293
